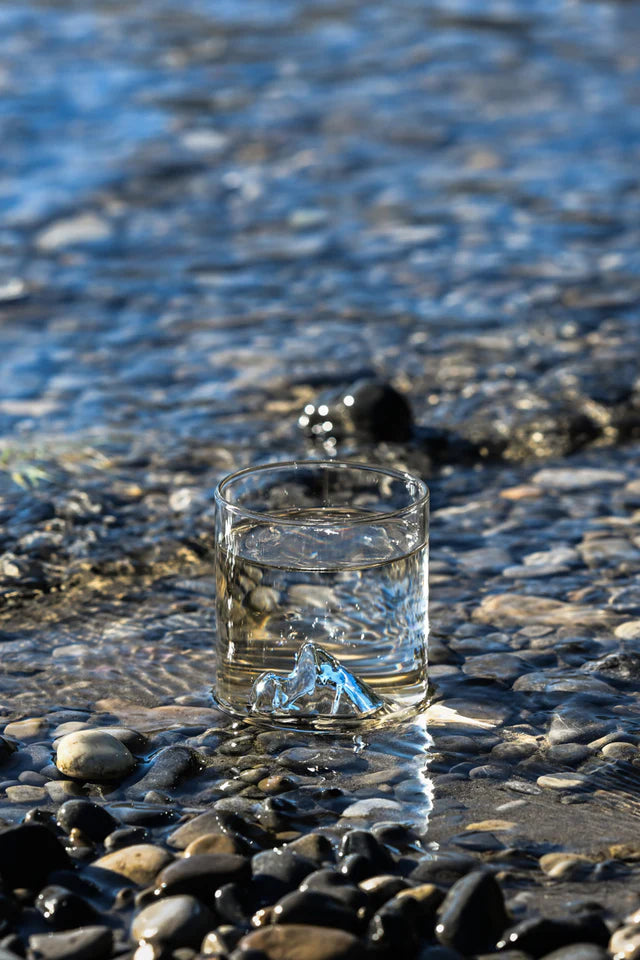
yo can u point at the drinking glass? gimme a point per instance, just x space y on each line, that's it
321 594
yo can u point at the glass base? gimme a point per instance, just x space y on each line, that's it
391 714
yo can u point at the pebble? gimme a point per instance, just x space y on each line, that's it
198 826
201 875
373 807
302 942
63 909
33 728
23 793
473 915
382 888
314 907
125 837
336 885
578 951
80 229
29 852
620 751
311 760
538 936
565 865
172 923
94 756
562 781
512 609
139 863
578 478
85 943
568 754
629 630
282 864
90 818
170 765
625 943
60 790
213 843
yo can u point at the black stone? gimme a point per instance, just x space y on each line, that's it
90 818
374 410
338 886
365 844
202 875
356 867
125 837
472 916
28 854
7 747
538 936
249 835
63 909
284 865
395 926
169 766
236 903
85 943
444 869
316 908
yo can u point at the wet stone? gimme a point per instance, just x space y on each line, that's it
171 765
173 922
334 884
22 793
63 909
28 854
538 936
90 818
569 754
285 865
302 941
311 760
562 781
125 837
625 943
138 863
578 951
94 756
85 943
314 907
33 728
214 843
473 915
201 875
382 888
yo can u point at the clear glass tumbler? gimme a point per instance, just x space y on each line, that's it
322 594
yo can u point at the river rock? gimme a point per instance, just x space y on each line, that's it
213 843
90 818
540 935
94 756
578 951
85 943
303 942
139 863
173 922
473 914
201 875
28 854
63 910
33 728
170 765
314 907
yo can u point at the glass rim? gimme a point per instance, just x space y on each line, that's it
421 500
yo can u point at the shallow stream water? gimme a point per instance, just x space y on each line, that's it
212 213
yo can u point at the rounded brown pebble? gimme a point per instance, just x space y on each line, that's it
212 843
139 863
303 942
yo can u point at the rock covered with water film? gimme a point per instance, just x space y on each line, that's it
319 685
93 755
369 409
